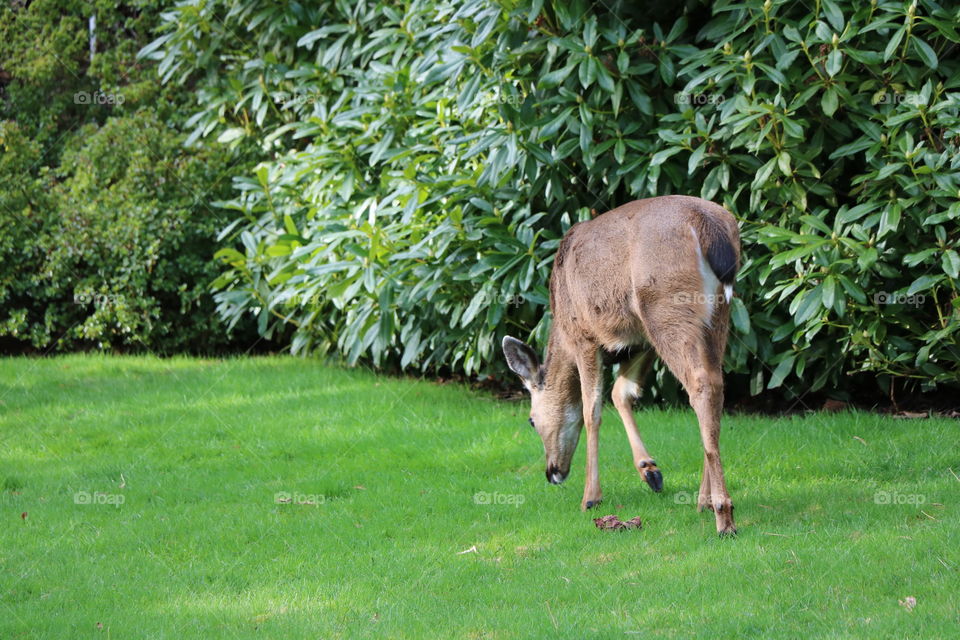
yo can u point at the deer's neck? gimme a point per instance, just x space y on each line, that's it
561 369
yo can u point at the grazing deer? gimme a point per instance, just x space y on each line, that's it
651 277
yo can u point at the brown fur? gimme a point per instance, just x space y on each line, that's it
632 278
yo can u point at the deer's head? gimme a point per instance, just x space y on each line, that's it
555 408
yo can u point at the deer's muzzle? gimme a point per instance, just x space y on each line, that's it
554 475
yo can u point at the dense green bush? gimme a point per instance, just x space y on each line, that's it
106 232
428 157
50 83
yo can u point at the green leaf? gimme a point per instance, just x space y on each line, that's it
739 315
817 223
791 34
330 267
809 306
834 62
588 71
482 204
535 8
696 158
640 98
661 156
867 259
889 220
781 372
829 102
620 151
764 174
786 257
590 31
469 92
922 284
951 263
833 13
829 292
311 37
263 175
946 29
889 169
851 215
667 71
277 250
477 303
411 349
894 42
925 51
550 130
604 79
756 382
228 254
556 77
290 225
849 149
783 161
231 134
151 50
853 289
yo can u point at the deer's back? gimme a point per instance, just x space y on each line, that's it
636 254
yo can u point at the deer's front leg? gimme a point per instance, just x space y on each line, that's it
591 387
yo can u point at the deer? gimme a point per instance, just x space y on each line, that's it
651 278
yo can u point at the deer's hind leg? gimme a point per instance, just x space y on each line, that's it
694 353
630 379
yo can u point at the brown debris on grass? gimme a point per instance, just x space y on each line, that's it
613 523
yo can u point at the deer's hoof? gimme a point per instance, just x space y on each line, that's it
648 469
654 478
590 504
723 509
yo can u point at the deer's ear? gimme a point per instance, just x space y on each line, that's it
521 359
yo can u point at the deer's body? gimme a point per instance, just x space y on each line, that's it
653 277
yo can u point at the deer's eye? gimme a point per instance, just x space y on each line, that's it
530 420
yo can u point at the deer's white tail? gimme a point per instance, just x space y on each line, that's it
717 260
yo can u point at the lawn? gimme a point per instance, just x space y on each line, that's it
284 498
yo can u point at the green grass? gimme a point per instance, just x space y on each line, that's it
198 449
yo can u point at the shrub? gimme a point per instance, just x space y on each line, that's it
107 235
124 253
429 156
25 209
